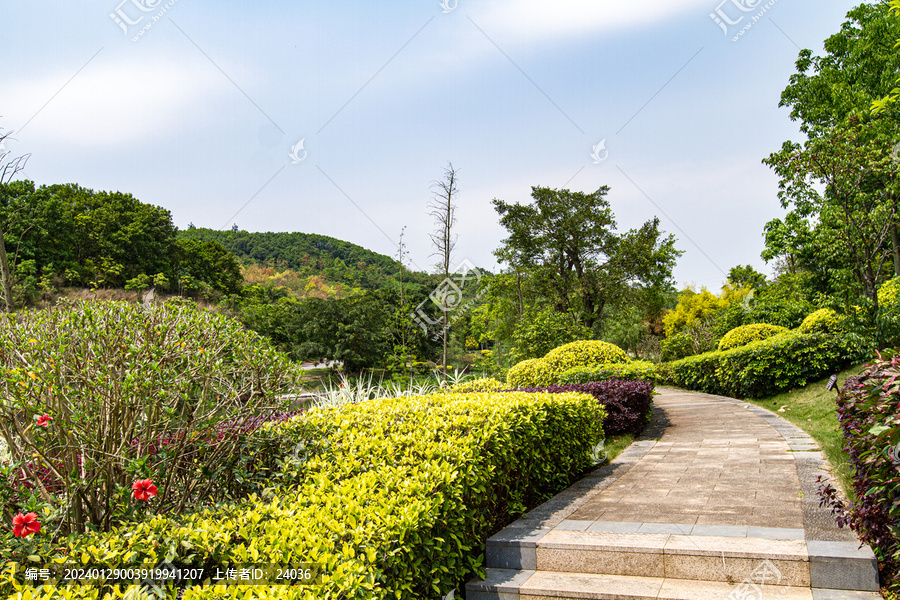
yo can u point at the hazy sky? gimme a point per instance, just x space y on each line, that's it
199 107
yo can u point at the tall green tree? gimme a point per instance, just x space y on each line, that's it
566 244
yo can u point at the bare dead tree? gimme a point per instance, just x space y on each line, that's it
443 210
9 168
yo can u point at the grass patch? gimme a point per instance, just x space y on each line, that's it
813 409
615 445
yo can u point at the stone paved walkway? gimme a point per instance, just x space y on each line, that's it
712 478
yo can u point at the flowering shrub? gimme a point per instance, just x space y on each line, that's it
626 404
869 414
635 370
583 354
394 497
25 525
745 334
97 392
486 384
529 373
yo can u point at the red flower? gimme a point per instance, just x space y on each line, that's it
44 420
25 525
143 489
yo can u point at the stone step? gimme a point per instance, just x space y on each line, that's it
790 562
500 584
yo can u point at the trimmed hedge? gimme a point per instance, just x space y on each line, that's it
395 497
529 373
485 384
743 335
767 367
587 353
824 320
642 370
627 404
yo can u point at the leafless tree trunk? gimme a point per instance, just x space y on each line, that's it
444 213
8 170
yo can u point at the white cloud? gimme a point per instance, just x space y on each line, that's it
541 19
110 104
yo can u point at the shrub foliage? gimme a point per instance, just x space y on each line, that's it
129 392
627 404
637 370
395 497
743 335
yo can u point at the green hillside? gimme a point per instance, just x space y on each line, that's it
307 254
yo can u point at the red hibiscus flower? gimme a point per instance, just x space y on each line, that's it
143 489
44 420
25 525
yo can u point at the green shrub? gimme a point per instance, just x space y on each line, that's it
743 335
486 384
529 373
130 393
396 499
824 320
889 312
766 367
641 370
676 347
587 353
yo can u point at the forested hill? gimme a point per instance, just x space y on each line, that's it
307 254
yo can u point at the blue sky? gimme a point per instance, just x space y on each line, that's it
200 112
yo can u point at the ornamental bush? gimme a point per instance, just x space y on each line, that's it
870 420
639 370
743 335
626 404
587 353
824 320
676 347
767 367
166 391
395 497
486 384
529 373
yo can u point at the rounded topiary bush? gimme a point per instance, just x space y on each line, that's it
743 335
529 373
485 384
824 320
586 353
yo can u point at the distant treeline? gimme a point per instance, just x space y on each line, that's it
310 255
67 235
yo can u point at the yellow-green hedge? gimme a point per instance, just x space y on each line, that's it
529 373
587 353
636 370
824 320
485 384
396 497
743 335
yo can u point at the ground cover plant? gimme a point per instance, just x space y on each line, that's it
394 497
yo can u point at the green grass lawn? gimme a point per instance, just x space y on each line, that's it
814 410
616 444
